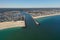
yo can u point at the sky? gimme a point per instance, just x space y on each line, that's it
29 3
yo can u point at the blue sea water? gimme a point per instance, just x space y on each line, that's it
49 29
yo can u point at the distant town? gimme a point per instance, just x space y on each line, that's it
14 14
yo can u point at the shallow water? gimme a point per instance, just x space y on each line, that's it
49 29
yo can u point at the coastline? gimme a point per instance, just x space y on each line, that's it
11 24
45 16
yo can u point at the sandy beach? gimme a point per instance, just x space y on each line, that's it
12 24
4 25
45 16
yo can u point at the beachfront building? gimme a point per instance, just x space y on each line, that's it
11 16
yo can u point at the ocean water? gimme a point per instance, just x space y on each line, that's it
49 29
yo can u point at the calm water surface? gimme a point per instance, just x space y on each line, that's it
49 29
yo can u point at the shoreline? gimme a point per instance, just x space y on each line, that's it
45 16
11 24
